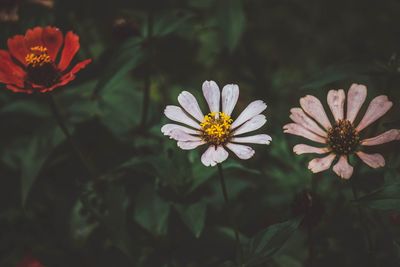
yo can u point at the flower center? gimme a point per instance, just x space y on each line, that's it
343 138
216 127
41 69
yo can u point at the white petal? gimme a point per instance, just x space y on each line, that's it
180 135
213 155
263 139
253 109
313 107
190 144
336 100
212 95
302 149
355 98
294 128
342 168
376 109
299 117
189 103
167 128
321 164
230 95
388 136
372 160
243 152
253 124
177 114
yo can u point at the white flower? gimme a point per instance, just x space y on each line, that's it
216 129
342 138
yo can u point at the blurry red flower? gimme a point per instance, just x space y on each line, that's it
29 261
36 63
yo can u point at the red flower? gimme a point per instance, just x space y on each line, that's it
31 63
29 261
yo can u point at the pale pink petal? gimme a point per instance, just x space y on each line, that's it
214 155
355 98
299 117
253 109
180 135
177 114
253 124
388 136
336 100
313 107
188 145
342 168
263 139
296 129
212 95
372 160
230 95
189 103
321 164
167 128
243 152
303 149
376 109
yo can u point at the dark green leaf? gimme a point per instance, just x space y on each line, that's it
266 243
152 212
193 216
386 198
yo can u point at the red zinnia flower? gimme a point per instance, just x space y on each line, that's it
29 261
31 65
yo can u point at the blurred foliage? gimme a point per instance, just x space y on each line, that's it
152 204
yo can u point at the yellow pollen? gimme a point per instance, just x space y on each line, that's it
38 56
216 127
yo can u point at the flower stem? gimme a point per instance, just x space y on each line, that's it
363 223
226 198
58 117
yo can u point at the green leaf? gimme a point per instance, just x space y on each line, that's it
29 154
386 198
152 212
127 56
169 23
193 216
265 244
231 22
120 107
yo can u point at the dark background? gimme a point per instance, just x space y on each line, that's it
151 204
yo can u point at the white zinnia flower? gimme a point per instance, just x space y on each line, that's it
342 138
216 129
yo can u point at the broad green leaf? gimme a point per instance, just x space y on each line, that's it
124 59
231 22
265 244
29 154
169 23
193 216
151 212
386 198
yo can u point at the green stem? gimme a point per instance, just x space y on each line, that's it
363 223
226 198
60 120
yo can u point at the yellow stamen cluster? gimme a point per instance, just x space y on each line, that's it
216 127
38 56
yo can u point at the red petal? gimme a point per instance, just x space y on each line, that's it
33 37
10 73
52 39
71 47
79 66
17 48
17 89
